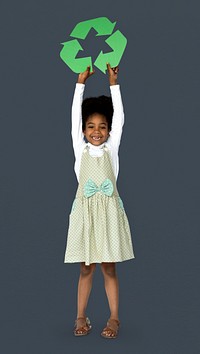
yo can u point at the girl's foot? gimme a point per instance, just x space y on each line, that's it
111 330
82 326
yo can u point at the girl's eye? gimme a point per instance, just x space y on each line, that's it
92 127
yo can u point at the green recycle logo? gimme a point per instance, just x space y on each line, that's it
103 26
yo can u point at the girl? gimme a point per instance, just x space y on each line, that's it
98 228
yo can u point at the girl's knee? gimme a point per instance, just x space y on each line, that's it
108 269
87 270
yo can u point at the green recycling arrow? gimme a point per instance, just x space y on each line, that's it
102 25
68 55
117 42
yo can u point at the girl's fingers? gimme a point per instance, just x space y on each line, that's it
114 69
88 69
90 72
109 68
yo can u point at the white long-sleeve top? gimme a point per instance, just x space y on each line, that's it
114 138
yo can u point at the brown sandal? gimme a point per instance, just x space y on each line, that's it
111 330
82 326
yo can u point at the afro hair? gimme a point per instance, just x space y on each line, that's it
101 105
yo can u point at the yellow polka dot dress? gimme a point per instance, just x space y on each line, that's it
98 226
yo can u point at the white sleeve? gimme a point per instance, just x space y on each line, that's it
118 117
77 134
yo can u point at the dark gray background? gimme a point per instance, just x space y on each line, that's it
159 177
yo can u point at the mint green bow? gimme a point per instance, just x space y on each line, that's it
90 188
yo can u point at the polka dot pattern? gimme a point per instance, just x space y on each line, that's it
98 226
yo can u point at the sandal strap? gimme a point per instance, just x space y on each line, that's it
86 320
113 324
111 329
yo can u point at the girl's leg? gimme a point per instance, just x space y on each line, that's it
112 288
84 288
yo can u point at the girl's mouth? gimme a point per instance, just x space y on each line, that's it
96 138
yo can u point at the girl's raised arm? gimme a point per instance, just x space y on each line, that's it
118 111
77 134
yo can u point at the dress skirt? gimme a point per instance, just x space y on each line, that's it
98 226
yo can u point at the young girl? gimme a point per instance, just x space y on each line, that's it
98 228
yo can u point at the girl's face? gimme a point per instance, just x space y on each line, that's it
96 129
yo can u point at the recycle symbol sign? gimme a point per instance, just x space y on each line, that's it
104 27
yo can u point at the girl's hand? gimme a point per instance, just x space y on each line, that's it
82 77
112 74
